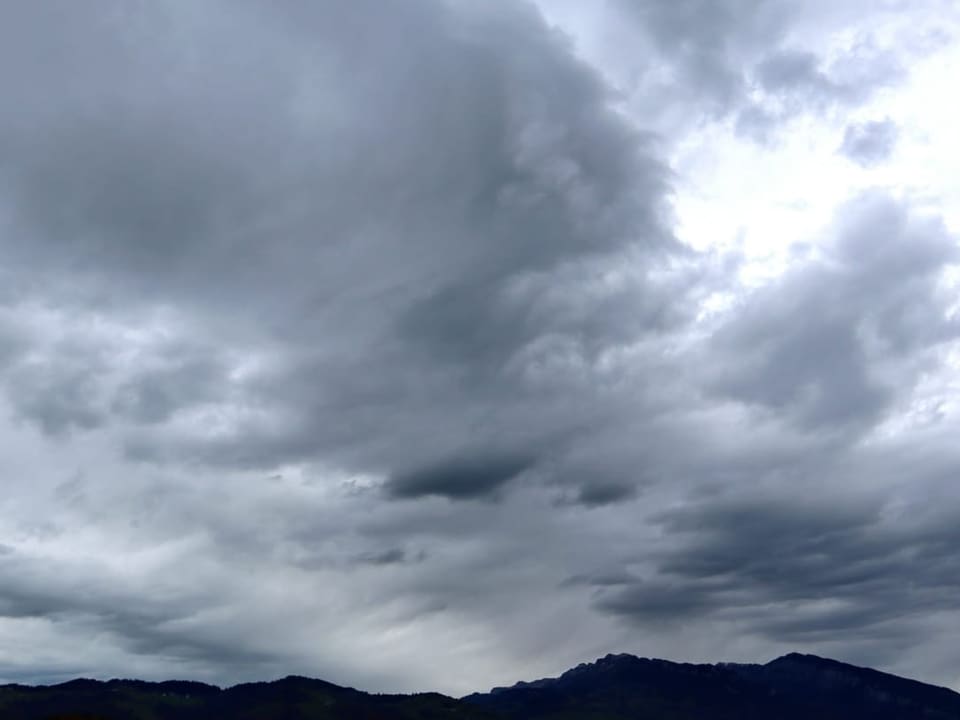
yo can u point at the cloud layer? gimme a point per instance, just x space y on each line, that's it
356 340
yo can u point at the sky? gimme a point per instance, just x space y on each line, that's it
440 344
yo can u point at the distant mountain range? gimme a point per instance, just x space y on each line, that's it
616 687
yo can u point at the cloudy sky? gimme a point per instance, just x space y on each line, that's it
437 344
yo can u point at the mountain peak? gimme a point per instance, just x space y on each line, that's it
796 657
795 686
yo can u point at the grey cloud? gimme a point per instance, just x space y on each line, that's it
93 599
462 478
140 162
796 570
796 81
387 557
604 493
706 43
658 601
400 278
787 70
187 608
849 82
67 378
748 60
870 143
60 395
600 580
811 343
14 339
393 556
152 396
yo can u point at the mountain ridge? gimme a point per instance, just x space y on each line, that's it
614 687
793 686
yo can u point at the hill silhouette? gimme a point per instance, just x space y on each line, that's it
792 687
616 687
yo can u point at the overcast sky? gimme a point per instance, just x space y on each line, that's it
438 344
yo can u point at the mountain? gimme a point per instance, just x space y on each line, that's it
616 687
793 687
292 698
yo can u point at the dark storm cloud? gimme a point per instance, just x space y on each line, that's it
870 143
826 353
461 478
798 569
837 339
604 493
659 602
388 239
393 556
391 243
122 184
